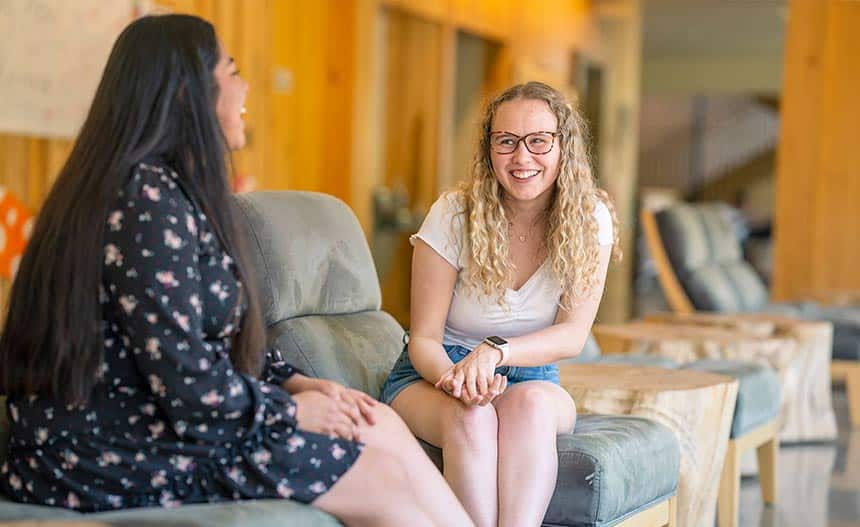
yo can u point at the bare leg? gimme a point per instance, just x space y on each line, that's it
433 493
374 491
467 436
531 414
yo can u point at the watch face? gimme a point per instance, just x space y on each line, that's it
498 341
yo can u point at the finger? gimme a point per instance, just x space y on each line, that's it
368 399
498 381
504 384
447 374
456 375
471 383
347 427
457 385
446 382
366 409
465 396
351 411
492 391
481 382
344 431
469 396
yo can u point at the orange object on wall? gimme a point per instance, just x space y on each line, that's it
16 225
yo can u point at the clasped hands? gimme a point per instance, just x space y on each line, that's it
474 380
327 407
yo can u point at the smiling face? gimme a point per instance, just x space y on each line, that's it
232 91
526 177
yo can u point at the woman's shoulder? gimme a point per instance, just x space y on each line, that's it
152 174
603 216
157 183
601 210
447 210
452 201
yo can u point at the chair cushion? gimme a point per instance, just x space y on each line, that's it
758 391
357 350
707 257
591 353
259 513
309 254
846 343
610 468
729 286
845 320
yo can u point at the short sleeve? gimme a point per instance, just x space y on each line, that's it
604 224
442 229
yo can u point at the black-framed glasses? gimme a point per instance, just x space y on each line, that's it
538 143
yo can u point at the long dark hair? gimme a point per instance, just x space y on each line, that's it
156 98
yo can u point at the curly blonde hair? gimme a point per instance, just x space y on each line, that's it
571 242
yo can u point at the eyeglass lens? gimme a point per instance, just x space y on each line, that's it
536 142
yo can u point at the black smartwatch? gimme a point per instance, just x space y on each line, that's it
500 344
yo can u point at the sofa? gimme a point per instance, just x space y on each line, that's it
321 300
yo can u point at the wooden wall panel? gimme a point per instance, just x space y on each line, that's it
413 87
817 245
837 242
797 152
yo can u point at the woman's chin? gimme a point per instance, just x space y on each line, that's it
237 143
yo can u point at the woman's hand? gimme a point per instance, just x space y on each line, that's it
473 380
317 412
361 404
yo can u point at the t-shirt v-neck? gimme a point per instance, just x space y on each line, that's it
473 316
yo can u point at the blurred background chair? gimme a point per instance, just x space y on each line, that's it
700 268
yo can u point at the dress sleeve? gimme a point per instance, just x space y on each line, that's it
442 229
152 284
277 369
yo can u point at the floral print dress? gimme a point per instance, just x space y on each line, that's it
170 421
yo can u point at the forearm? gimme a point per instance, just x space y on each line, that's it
429 358
557 342
298 383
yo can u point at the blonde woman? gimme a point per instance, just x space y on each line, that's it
507 275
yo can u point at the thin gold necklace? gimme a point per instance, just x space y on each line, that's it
523 238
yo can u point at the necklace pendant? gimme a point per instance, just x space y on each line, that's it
523 238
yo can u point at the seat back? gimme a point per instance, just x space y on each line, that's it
705 257
318 286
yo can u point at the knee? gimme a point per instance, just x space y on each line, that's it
529 404
470 426
386 416
391 469
389 426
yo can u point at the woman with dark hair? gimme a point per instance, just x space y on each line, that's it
132 355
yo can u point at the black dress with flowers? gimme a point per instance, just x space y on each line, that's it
170 421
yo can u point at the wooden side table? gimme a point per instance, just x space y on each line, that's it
696 406
804 368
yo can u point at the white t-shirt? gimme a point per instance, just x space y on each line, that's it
472 316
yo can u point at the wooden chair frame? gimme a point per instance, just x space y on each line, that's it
663 514
846 371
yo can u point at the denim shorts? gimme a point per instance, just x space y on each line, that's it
404 374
